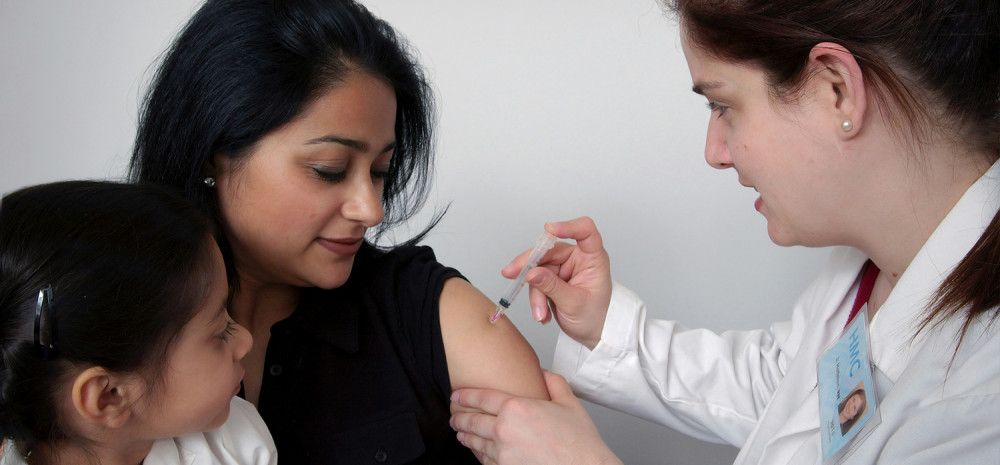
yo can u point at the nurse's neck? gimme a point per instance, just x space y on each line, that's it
908 203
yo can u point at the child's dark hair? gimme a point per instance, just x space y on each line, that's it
125 265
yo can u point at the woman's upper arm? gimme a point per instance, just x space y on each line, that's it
482 354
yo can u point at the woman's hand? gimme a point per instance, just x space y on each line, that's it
522 431
572 282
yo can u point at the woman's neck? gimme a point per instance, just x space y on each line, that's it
258 304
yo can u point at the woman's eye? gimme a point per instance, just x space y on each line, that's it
380 174
715 107
329 175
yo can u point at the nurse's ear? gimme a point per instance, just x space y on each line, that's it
103 399
840 87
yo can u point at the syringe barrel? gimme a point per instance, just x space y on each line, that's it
544 243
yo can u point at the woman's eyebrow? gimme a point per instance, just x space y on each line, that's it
352 143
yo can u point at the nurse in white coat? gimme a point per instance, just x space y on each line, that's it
870 125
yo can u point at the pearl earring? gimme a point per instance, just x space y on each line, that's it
209 181
847 125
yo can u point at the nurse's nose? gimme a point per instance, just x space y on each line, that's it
716 149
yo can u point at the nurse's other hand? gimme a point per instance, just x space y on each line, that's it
518 430
571 282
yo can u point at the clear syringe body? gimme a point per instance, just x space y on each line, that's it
544 243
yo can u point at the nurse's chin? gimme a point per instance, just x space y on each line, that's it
781 236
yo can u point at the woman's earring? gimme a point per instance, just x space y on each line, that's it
209 181
847 125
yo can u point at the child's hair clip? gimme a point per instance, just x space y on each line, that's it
45 324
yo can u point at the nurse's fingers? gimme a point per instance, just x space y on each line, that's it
483 449
558 255
478 424
560 390
547 285
484 400
582 230
541 305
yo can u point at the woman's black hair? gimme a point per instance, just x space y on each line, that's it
126 265
242 68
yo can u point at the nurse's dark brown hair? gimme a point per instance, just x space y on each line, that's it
936 62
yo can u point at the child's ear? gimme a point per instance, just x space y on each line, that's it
103 398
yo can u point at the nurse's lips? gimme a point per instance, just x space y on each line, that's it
341 246
760 200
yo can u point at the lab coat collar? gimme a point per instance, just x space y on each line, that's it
893 329
894 325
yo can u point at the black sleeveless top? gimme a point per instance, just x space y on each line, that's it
358 374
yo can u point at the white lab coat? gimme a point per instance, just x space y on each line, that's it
757 389
241 440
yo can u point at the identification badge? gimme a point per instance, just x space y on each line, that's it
848 407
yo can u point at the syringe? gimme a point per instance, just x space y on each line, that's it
542 245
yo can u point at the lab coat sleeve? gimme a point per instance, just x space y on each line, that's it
707 385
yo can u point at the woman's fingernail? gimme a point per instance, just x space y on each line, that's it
454 397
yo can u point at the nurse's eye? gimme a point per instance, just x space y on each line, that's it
716 107
329 175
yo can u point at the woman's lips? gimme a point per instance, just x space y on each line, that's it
347 246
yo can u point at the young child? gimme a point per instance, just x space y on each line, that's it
115 343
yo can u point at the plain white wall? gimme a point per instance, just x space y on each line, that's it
547 110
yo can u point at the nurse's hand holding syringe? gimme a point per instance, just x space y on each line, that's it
576 278
542 245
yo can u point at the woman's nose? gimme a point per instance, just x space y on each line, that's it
364 203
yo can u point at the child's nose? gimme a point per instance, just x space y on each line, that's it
244 342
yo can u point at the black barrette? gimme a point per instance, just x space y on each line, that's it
45 324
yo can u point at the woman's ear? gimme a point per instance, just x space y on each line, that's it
211 167
840 86
104 399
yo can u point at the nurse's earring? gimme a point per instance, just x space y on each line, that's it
847 125
209 181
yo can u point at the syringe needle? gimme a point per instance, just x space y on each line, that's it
497 314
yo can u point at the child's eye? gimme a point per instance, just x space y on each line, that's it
717 107
230 330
